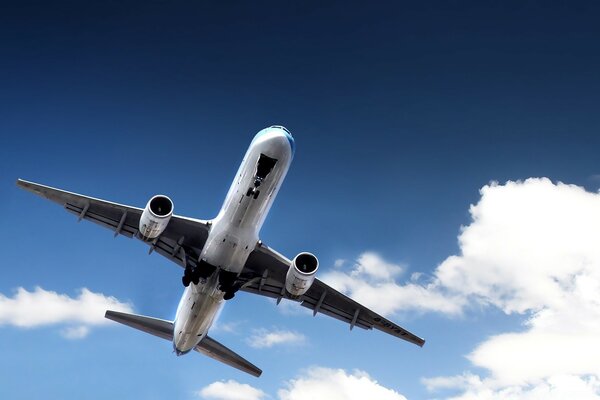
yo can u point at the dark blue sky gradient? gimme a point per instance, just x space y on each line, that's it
416 102
400 111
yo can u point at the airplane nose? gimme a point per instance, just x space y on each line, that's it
288 136
283 128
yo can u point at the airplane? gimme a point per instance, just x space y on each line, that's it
224 255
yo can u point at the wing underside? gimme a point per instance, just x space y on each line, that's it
264 274
181 242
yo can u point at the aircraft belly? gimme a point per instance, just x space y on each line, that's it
200 305
229 250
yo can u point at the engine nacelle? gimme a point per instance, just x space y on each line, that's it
301 274
156 216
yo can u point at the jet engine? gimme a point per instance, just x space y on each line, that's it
301 274
156 216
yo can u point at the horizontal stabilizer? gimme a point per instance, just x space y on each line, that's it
154 326
210 347
164 329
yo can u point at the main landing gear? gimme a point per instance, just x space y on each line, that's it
227 284
227 280
193 275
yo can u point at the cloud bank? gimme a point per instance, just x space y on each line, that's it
314 383
531 249
372 282
43 308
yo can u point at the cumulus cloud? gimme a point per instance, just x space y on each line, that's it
557 387
263 338
528 244
314 383
42 308
372 281
75 332
532 248
231 390
336 384
227 327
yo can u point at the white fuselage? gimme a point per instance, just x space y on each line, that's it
234 232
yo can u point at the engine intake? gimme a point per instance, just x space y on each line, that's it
156 216
301 274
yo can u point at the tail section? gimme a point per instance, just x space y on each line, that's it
164 329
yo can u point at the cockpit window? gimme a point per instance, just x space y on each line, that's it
264 166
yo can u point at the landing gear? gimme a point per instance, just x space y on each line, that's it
252 191
203 270
227 284
228 296
188 277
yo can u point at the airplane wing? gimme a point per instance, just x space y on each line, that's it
164 329
181 242
264 274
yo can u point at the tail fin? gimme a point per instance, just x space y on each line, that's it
164 329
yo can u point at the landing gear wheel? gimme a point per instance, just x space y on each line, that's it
226 280
196 279
256 193
228 295
185 279
250 191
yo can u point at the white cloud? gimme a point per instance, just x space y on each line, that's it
42 308
336 384
371 264
533 248
527 244
451 382
314 383
262 338
371 282
231 390
558 387
75 332
227 327
290 307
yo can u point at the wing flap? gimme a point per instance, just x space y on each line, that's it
126 229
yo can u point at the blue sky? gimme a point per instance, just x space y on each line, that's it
401 113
